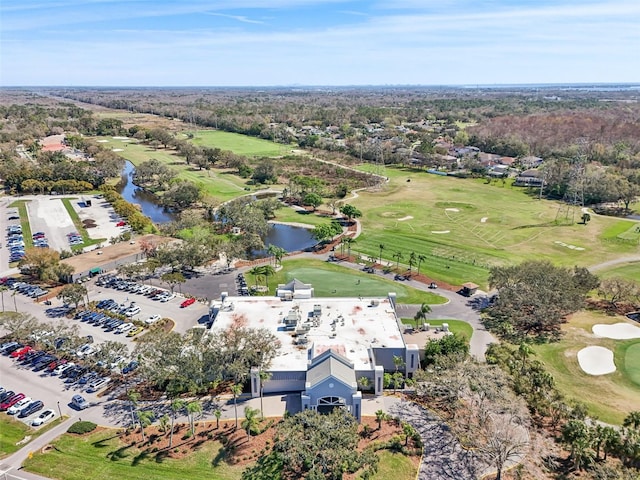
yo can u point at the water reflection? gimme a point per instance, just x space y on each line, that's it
134 194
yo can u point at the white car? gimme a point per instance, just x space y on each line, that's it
85 350
152 319
19 406
98 384
166 298
60 369
132 311
43 417
125 327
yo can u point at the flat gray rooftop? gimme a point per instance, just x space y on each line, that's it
350 326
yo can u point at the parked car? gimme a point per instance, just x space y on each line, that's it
30 409
130 312
11 401
12 348
79 402
98 384
187 302
60 369
153 319
130 367
43 417
21 352
124 327
7 345
135 331
19 405
85 350
6 395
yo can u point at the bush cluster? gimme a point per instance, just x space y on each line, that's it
82 427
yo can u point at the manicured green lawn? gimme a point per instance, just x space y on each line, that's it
630 271
463 227
11 432
219 184
289 215
331 280
456 326
239 144
394 466
101 456
608 397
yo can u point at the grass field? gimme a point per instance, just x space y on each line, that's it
395 466
21 205
608 397
102 456
330 280
630 271
219 184
465 226
239 144
289 215
11 432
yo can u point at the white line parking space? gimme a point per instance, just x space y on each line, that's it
99 213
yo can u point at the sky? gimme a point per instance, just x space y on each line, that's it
317 42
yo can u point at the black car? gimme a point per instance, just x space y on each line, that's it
43 362
12 348
7 394
33 407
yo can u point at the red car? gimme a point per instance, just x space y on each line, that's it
11 401
21 352
187 302
121 224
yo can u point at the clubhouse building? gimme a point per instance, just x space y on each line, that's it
327 345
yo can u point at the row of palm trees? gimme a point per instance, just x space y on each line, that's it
414 259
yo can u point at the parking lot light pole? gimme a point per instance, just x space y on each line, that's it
59 411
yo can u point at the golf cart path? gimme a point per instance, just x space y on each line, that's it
615 261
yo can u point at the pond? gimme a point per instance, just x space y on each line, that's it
148 202
289 237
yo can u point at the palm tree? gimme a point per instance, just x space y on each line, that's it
398 256
133 397
421 314
264 377
145 417
408 431
250 419
256 272
421 258
217 413
164 423
524 351
381 247
632 420
349 241
364 382
236 389
192 409
278 253
266 271
380 416
412 261
176 405
272 252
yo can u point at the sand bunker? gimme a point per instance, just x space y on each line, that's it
617 331
572 247
102 141
452 209
408 217
484 219
440 231
117 150
596 360
120 138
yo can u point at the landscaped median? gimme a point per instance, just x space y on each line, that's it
21 205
